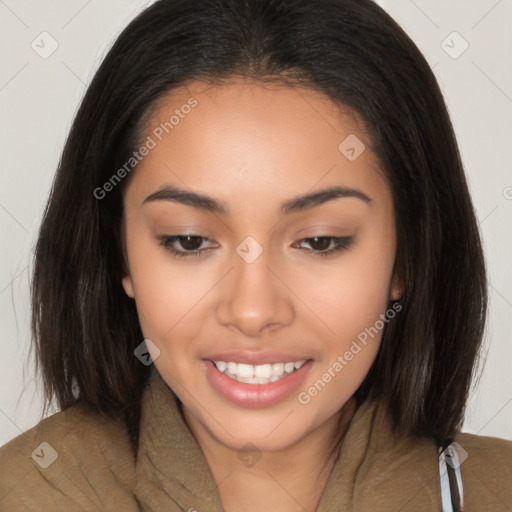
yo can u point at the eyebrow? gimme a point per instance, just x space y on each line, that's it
297 204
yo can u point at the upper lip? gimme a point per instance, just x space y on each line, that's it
255 358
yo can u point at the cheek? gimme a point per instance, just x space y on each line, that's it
349 294
165 302
351 302
165 293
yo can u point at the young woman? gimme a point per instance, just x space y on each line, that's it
259 281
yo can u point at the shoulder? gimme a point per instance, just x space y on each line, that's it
76 459
485 448
406 470
486 470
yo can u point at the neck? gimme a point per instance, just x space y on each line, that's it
290 479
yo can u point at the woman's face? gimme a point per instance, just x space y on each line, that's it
255 290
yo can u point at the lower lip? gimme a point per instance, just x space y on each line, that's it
256 395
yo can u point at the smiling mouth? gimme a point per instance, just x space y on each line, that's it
257 374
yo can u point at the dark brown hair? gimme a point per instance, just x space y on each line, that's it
85 327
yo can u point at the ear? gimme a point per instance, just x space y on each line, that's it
127 281
397 287
127 278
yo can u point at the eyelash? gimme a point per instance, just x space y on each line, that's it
341 244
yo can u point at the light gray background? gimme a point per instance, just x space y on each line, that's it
39 96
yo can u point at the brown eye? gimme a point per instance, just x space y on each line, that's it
183 245
190 242
320 244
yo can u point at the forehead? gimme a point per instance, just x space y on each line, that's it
266 138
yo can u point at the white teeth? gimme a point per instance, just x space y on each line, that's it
244 370
277 368
263 370
259 374
289 367
221 366
247 380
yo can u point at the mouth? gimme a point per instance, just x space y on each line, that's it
256 386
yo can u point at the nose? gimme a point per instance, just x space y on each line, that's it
255 298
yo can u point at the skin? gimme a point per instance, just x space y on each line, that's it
252 147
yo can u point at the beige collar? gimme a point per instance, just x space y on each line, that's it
374 464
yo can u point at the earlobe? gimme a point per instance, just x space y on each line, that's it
127 278
396 288
128 286
396 294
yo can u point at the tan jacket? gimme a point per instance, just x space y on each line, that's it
86 465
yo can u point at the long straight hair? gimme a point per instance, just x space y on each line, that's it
85 328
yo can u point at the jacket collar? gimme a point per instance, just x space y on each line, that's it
172 472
